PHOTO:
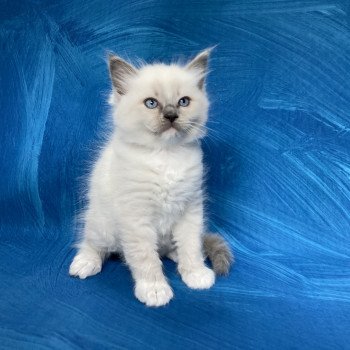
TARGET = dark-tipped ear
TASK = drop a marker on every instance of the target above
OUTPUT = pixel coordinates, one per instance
(200, 64)
(120, 71)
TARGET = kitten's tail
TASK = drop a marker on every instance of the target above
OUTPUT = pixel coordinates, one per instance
(219, 253)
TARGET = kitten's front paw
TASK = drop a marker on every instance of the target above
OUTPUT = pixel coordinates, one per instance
(84, 266)
(153, 293)
(200, 278)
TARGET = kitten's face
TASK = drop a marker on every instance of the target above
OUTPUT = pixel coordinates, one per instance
(165, 103)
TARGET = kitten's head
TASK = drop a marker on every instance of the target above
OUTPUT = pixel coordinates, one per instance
(160, 103)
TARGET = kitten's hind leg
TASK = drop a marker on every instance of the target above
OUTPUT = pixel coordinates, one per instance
(88, 261)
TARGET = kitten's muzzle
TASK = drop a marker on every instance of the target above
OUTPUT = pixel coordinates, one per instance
(170, 113)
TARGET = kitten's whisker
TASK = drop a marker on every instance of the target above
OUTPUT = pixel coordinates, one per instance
(194, 124)
(213, 136)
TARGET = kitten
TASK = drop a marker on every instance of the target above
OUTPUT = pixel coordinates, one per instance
(145, 192)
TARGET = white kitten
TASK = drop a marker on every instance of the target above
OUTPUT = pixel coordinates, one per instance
(145, 192)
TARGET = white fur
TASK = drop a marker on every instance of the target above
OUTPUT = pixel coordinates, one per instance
(145, 191)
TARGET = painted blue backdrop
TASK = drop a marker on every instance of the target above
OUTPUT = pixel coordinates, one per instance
(279, 184)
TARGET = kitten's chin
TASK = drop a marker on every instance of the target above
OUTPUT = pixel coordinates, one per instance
(172, 131)
(170, 134)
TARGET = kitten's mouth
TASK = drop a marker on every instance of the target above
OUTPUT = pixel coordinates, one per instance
(168, 130)
(174, 127)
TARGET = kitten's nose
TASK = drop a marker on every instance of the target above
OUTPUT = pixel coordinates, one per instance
(171, 117)
(169, 113)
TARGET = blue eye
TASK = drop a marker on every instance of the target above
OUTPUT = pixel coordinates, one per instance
(184, 101)
(151, 103)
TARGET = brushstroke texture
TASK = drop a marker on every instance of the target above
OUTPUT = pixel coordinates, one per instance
(278, 185)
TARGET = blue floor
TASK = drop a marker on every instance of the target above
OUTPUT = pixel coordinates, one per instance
(278, 151)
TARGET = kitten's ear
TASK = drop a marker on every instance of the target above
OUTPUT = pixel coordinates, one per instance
(200, 64)
(120, 71)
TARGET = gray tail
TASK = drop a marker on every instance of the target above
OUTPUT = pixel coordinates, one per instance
(218, 252)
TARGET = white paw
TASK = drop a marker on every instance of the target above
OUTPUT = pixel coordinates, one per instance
(200, 278)
(85, 265)
(153, 293)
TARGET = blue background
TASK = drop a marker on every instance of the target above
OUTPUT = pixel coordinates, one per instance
(278, 154)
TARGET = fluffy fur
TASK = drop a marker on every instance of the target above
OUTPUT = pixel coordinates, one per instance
(145, 196)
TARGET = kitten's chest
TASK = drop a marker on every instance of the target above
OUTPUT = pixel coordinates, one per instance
(176, 179)
(170, 179)
(170, 197)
